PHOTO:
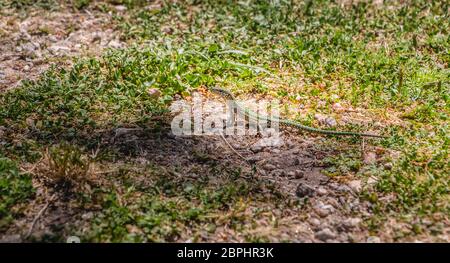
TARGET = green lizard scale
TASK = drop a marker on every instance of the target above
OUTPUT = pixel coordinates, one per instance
(228, 95)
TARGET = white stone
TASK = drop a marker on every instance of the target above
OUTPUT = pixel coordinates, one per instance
(355, 185)
(319, 117)
(370, 158)
(87, 216)
(350, 223)
(114, 44)
(314, 221)
(325, 234)
(330, 122)
(337, 107)
(373, 239)
(321, 191)
(120, 8)
(323, 210)
(273, 141)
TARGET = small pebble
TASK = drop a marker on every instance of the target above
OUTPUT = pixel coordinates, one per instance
(114, 44)
(154, 93)
(372, 181)
(278, 173)
(269, 167)
(304, 190)
(330, 122)
(314, 221)
(254, 158)
(87, 216)
(333, 202)
(291, 174)
(120, 8)
(256, 148)
(323, 210)
(321, 191)
(355, 185)
(299, 174)
(52, 39)
(337, 107)
(96, 38)
(325, 234)
(319, 117)
(388, 166)
(350, 223)
(373, 239)
(370, 158)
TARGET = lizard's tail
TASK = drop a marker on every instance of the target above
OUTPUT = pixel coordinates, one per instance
(339, 133)
(229, 95)
(327, 132)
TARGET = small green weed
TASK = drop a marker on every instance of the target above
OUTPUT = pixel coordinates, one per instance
(15, 188)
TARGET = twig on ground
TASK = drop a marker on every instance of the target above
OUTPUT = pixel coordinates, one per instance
(41, 212)
(231, 147)
(362, 148)
(31, 170)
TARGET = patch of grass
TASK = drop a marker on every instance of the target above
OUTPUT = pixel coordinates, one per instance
(100, 92)
(65, 164)
(19, 4)
(15, 189)
(419, 178)
(80, 4)
(342, 165)
(172, 207)
(128, 3)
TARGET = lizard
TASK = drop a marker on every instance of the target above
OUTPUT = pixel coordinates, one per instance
(250, 114)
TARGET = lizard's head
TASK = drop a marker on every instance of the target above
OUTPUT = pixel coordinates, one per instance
(222, 92)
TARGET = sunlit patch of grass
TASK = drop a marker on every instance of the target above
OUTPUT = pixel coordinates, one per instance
(66, 103)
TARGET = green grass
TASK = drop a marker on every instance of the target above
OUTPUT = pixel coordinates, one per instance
(15, 189)
(96, 93)
(19, 4)
(174, 208)
(391, 61)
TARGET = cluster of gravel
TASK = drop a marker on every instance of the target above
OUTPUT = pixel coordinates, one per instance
(29, 45)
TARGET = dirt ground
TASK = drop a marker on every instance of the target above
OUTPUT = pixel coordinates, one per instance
(32, 40)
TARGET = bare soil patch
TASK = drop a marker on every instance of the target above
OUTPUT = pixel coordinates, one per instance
(31, 41)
